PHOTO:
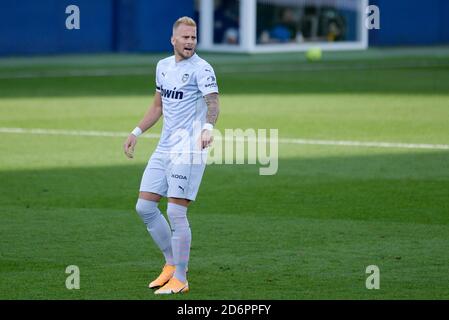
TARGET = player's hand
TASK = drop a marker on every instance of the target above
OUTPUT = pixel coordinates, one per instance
(129, 145)
(206, 138)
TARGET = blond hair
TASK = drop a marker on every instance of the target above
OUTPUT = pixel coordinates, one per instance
(184, 20)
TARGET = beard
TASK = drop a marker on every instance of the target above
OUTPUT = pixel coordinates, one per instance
(185, 54)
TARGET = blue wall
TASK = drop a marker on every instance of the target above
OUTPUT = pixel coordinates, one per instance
(411, 22)
(144, 25)
(30, 26)
(38, 26)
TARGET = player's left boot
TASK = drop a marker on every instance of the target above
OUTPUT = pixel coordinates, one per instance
(167, 273)
(173, 286)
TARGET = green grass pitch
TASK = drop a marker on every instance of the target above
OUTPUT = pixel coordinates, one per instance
(308, 232)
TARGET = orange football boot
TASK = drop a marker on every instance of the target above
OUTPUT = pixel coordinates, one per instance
(173, 286)
(167, 273)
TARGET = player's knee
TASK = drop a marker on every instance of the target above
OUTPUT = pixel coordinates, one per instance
(147, 210)
(178, 216)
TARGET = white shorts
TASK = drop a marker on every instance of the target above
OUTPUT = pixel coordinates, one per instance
(171, 179)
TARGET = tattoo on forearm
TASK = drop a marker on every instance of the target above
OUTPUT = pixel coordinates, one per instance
(213, 108)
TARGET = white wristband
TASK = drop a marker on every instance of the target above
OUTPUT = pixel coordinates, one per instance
(208, 126)
(137, 131)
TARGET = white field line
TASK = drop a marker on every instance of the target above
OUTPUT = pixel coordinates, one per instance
(61, 132)
(345, 143)
(257, 68)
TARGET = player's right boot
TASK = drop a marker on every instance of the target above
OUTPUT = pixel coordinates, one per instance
(173, 286)
(167, 273)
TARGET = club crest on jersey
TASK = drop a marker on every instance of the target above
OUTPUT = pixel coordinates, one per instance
(172, 94)
(185, 77)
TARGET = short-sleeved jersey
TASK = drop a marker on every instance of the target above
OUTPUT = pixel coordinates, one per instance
(182, 86)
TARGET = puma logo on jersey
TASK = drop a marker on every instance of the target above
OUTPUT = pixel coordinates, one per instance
(172, 94)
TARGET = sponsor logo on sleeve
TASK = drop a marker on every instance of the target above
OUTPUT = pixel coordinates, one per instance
(212, 82)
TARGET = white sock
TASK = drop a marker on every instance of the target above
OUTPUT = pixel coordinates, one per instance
(157, 226)
(181, 239)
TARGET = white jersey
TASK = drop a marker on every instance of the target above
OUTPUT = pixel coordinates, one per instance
(182, 86)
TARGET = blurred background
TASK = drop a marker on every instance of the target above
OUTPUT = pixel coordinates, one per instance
(30, 27)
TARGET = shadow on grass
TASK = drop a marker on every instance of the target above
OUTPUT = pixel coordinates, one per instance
(396, 187)
(423, 80)
(265, 231)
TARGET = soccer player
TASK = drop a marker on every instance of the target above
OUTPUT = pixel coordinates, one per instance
(187, 98)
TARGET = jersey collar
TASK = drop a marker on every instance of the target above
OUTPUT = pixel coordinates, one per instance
(184, 61)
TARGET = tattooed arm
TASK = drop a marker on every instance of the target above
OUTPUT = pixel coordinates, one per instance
(213, 109)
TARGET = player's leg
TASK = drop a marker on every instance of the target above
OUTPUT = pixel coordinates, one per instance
(181, 240)
(159, 229)
(157, 225)
(183, 185)
(181, 237)
(152, 188)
